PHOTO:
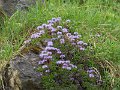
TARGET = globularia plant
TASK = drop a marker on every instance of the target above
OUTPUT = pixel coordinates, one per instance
(60, 61)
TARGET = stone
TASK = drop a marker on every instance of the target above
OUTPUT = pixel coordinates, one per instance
(10, 6)
(20, 73)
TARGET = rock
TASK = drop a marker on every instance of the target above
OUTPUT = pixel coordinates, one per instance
(20, 73)
(10, 6)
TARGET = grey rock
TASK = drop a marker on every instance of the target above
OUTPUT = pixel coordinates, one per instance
(10, 6)
(20, 73)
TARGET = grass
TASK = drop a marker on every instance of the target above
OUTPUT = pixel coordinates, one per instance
(97, 21)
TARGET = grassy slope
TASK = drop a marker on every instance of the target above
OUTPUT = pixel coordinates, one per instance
(91, 19)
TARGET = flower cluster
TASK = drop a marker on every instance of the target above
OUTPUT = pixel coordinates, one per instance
(46, 57)
(62, 34)
(91, 73)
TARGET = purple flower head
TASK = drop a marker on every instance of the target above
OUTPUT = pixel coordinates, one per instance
(49, 53)
(85, 44)
(59, 27)
(82, 49)
(65, 30)
(73, 66)
(48, 26)
(47, 71)
(44, 25)
(43, 52)
(75, 33)
(59, 33)
(54, 39)
(58, 51)
(65, 64)
(59, 19)
(27, 41)
(40, 62)
(62, 56)
(91, 75)
(68, 34)
(42, 55)
(35, 35)
(68, 61)
(49, 48)
(50, 43)
(80, 42)
(75, 37)
(48, 57)
(39, 27)
(62, 41)
(59, 36)
(68, 68)
(53, 30)
(60, 62)
(90, 71)
(64, 67)
(42, 32)
(73, 43)
(53, 19)
(72, 40)
(50, 22)
(68, 21)
(44, 66)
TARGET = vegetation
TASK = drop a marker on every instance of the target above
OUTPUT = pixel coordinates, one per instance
(97, 21)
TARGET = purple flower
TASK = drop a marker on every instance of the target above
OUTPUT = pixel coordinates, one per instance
(85, 44)
(49, 53)
(59, 36)
(50, 43)
(48, 57)
(39, 27)
(82, 49)
(62, 56)
(75, 37)
(53, 30)
(44, 66)
(58, 51)
(68, 21)
(68, 68)
(43, 55)
(68, 34)
(47, 71)
(68, 61)
(73, 66)
(27, 41)
(76, 33)
(72, 40)
(91, 75)
(59, 33)
(44, 25)
(53, 19)
(80, 42)
(90, 71)
(50, 21)
(59, 19)
(42, 62)
(42, 32)
(62, 41)
(50, 48)
(60, 62)
(73, 43)
(59, 27)
(65, 30)
(36, 35)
